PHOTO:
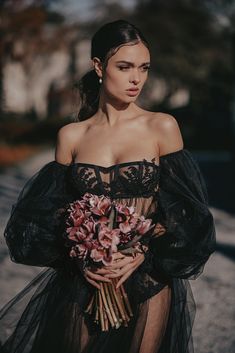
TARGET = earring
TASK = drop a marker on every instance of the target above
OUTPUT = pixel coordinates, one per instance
(100, 80)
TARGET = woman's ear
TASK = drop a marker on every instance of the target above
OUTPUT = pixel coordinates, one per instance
(97, 64)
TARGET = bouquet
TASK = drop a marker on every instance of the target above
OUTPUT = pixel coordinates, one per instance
(97, 227)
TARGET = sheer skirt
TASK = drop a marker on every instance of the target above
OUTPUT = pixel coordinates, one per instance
(48, 316)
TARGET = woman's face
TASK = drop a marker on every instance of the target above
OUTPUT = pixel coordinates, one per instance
(126, 72)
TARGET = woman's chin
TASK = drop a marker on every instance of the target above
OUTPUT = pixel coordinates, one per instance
(123, 99)
(130, 98)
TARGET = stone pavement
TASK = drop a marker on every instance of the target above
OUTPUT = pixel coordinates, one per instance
(214, 290)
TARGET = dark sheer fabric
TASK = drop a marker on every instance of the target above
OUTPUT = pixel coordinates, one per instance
(189, 236)
(48, 315)
(32, 230)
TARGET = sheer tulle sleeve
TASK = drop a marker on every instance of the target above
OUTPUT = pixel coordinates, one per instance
(33, 232)
(188, 236)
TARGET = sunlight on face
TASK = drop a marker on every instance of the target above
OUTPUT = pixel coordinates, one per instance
(126, 69)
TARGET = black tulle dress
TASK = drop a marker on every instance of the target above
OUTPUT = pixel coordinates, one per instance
(48, 316)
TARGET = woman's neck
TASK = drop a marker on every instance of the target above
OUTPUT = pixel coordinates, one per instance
(113, 113)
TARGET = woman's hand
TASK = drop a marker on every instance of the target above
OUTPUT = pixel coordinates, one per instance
(96, 274)
(123, 266)
(93, 274)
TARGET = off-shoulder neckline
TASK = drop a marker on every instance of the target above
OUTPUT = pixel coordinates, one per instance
(173, 153)
(123, 163)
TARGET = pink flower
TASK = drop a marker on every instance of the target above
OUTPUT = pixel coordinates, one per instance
(125, 227)
(127, 215)
(125, 238)
(100, 206)
(85, 232)
(144, 226)
(123, 209)
(78, 206)
(76, 217)
(97, 254)
(101, 255)
(90, 222)
(109, 238)
(73, 252)
(79, 250)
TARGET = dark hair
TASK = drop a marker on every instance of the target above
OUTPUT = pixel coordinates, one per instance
(105, 42)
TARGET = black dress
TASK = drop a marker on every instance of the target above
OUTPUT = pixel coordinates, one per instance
(47, 316)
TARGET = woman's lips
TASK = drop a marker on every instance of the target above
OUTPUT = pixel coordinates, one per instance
(132, 91)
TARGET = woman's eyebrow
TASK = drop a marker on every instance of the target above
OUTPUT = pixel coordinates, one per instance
(130, 63)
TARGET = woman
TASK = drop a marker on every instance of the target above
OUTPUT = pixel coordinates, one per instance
(131, 155)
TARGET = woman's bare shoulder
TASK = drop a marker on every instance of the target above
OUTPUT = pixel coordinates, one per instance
(162, 119)
(72, 130)
(68, 137)
(168, 132)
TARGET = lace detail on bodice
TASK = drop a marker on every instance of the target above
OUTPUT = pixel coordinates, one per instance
(123, 180)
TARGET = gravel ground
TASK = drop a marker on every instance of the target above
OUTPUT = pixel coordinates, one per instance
(214, 290)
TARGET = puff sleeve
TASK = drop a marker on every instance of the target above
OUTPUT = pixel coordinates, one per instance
(189, 235)
(33, 232)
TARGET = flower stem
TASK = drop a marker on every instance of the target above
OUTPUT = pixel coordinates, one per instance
(106, 322)
(106, 304)
(101, 311)
(110, 304)
(118, 301)
(127, 318)
(119, 319)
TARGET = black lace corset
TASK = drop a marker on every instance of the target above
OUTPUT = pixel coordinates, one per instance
(122, 180)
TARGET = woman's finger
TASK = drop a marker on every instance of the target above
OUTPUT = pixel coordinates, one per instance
(117, 255)
(139, 258)
(124, 278)
(92, 282)
(122, 271)
(96, 277)
(132, 265)
(102, 271)
(116, 258)
(128, 260)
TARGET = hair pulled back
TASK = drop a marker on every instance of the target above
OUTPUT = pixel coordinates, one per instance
(105, 42)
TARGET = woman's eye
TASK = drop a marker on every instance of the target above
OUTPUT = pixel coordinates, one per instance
(145, 68)
(123, 67)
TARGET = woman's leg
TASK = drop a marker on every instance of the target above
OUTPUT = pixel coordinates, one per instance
(156, 321)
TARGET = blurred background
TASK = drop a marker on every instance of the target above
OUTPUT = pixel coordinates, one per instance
(45, 49)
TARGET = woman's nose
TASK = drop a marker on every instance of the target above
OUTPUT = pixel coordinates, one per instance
(135, 77)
